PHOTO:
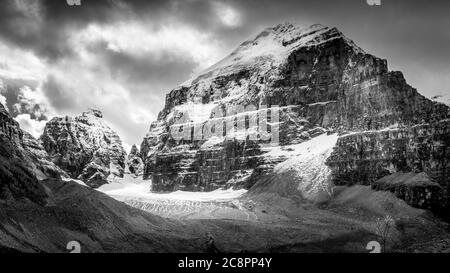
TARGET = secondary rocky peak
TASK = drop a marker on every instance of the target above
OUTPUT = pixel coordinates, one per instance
(134, 151)
(86, 147)
(3, 109)
(135, 162)
(93, 112)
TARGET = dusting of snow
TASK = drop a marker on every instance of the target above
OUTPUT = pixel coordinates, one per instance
(263, 56)
(67, 179)
(271, 48)
(212, 141)
(369, 83)
(322, 103)
(392, 127)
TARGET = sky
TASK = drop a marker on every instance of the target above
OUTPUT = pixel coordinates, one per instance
(123, 57)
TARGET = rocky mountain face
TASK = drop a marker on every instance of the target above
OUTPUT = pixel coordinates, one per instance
(134, 162)
(85, 147)
(417, 189)
(17, 180)
(18, 145)
(42, 213)
(365, 157)
(23, 164)
(286, 86)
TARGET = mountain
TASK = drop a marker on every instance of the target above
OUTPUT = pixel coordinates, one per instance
(235, 123)
(328, 143)
(41, 210)
(134, 162)
(85, 147)
(18, 145)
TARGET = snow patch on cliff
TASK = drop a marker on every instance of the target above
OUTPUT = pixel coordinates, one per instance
(306, 165)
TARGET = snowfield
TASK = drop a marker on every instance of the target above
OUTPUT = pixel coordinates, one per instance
(304, 164)
(180, 204)
(138, 188)
(304, 168)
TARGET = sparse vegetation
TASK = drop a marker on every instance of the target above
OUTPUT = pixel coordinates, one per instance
(383, 228)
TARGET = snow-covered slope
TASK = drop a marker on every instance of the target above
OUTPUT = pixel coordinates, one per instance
(270, 49)
(302, 172)
(262, 57)
(131, 187)
(136, 192)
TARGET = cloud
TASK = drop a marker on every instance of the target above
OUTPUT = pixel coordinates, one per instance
(30, 125)
(144, 40)
(32, 102)
(16, 63)
(229, 16)
(124, 56)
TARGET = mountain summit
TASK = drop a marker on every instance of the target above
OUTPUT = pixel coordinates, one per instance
(317, 81)
(272, 46)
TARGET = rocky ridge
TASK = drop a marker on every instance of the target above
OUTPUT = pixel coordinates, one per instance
(85, 147)
(27, 148)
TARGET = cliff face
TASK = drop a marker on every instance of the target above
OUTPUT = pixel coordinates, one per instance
(365, 157)
(85, 147)
(417, 189)
(134, 162)
(312, 80)
(9, 127)
(23, 163)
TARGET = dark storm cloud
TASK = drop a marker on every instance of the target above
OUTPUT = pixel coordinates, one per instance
(417, 26)
(44, 26)
(411, 34)
(164, 69)
(59, 95)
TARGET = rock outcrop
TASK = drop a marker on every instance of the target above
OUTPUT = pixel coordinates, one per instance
(417, 189)
(134, 162)
(23, 163)
(27, 148)
(85, 147)
(286, 86)
(365, 157)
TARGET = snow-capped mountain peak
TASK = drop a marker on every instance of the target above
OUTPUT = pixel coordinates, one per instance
(271, 47)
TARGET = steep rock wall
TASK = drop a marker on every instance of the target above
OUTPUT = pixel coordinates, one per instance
(85, 147)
